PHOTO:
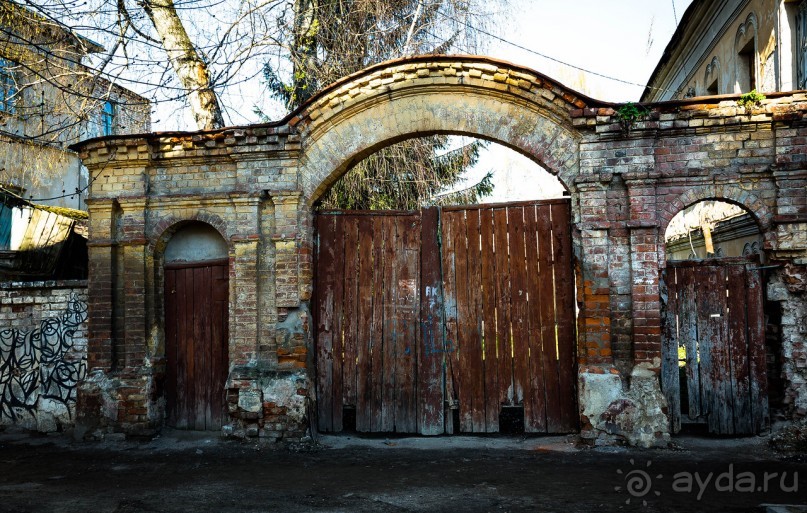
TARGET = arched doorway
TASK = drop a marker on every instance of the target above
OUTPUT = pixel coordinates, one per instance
(713, 343)
(196, 327)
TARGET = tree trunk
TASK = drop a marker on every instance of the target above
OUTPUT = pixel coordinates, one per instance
(188, 65)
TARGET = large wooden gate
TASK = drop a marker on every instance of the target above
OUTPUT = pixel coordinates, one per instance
(435, 321)
(196, 306)
(713, 354)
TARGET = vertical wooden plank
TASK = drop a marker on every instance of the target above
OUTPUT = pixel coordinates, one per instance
(518, 303)
(326, 276)
(503, 334)
(535, 398)
(670, 382)
(450, 307)
(711, 291)
(185, 391)
(430, 351)
(221, 299)
(758, 381)
(549, 340)
(737, 343)
(170, 313)
(337, 351)
(366, 291)
(351, 312)
(201, 300)
(488, 291)
(407, 319)
(473, 353)
(389, 313)
(689, 338)
(209, 349)
(377, 329)
(463, 386)
(564, 315)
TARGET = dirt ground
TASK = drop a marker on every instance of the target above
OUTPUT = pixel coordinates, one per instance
(179, 472)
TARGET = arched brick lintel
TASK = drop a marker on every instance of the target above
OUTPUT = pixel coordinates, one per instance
(729, 193)
(522, 111)
(162, 231)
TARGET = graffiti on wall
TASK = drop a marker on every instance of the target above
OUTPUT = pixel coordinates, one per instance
(42, 362)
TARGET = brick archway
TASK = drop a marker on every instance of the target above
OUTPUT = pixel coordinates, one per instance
(461, 95)
(626, 179)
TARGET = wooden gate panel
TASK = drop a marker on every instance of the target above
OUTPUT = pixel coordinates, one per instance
(450, 343)
(385, 312)
(508, 257)
(430, 351)
(535, 406)
(364, 300)
(564, 316)
(404, 323)
(407, 324)
(325, 304)
(504, 347)
(462, 357)
(367, 305)
(711, 293)
(758, 379)
(547, 352)
(489, 301)
(476, 350)
(713, 311)
(739, 385)
(350, 337)
(519, 322)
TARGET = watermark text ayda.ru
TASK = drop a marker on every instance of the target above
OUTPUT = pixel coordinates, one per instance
(639, 483)
(735, 482)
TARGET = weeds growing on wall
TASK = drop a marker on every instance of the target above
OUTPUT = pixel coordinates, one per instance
(750, 100)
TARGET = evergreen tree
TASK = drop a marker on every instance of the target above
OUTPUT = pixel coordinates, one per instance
(330, 39)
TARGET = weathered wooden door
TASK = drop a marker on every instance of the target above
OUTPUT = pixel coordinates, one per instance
(713, 354)
(509, 315)
(196, 321)
(424, 314)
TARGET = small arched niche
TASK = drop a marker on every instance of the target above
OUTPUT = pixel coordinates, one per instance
(713, 229)
(195, 242)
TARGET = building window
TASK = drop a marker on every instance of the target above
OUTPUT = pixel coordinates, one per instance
(747, 68)
(8, 86)
(710, 77)
(801, 46)
(745, 44)
(108, 118)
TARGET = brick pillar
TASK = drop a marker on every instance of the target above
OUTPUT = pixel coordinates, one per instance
(286, 239)
(244, 306)
(619, 274)
(267, 309)
(101, 249)
(595, 316)
(644, 240)
(132, 280)
(244, 314)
